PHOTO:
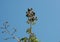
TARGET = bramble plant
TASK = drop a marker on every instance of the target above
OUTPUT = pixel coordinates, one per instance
(31, 20)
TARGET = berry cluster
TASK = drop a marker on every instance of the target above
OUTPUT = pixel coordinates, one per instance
(31, 16)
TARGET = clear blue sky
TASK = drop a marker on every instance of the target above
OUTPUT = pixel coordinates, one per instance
(47, 28)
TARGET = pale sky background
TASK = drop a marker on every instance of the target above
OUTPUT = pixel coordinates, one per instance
(47, 28)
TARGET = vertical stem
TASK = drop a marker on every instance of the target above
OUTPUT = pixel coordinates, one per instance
(31, 26)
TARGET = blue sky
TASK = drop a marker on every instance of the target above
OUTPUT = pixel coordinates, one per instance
(47, 28)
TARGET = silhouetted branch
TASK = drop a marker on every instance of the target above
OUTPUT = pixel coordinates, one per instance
(5, 30)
